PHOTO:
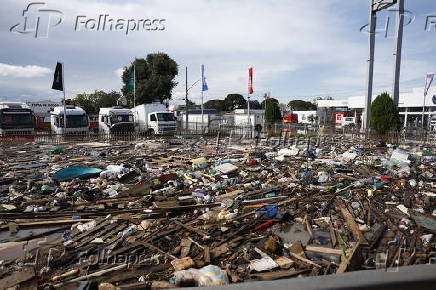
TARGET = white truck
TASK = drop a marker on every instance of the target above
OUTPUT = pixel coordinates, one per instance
(16, 120)
(116, 120)
(154, 119)
(77, 121)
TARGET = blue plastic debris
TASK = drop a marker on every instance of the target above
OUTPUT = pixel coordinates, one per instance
(73, 172)
(31, 165)
(270, 210)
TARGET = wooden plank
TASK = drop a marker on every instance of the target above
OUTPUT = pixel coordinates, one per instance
(16, 278)
(46, 223)
(352, 225)
(192, 229)
(206, 255)
(229, 194)
(323, 250)
(350, 260)
(150, 246)
(277, 274)
(304, 260)
(127, 275)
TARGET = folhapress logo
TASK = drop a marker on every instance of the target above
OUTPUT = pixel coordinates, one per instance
(37, 20)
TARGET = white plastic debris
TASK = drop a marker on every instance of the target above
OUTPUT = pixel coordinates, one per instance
(226, 168)
(263, 264)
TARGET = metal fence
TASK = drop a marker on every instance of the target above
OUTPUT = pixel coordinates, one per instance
(221, 129)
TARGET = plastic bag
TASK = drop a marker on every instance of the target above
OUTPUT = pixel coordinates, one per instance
(207, 276)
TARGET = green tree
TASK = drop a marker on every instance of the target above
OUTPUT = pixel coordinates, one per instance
(254, 105)
(272, 112)
(92, 103)
(384, 115)
(300, 105)
(154, 79)
(234, 101)
(218, 105)
(267, 101)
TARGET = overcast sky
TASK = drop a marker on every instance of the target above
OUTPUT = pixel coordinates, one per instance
(298, 49)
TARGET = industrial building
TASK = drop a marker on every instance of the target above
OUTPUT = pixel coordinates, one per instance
(411, 107)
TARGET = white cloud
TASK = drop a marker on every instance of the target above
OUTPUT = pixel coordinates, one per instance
(28, 71)
(119, 72)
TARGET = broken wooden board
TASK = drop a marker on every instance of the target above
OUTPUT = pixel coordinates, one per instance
(351, 224)
(323, 250)
(45, 223)
(182, 264)
(16, 278)
(277, 275)
(351, 261)
(229, 194)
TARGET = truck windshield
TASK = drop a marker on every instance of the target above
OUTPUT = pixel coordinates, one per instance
(16, 118)
(121, 118)
(167, 117)
(76, 121)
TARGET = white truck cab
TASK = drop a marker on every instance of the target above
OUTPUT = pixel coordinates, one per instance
(77, 121)
(154, 119)
(115, 120)
(16, 120)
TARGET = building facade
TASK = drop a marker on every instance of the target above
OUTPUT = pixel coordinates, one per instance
(413, 106)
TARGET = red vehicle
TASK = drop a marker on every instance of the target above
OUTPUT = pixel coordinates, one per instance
(93, 123)
(290, 118)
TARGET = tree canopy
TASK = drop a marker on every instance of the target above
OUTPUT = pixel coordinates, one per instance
(154, 79)
(92, 102)
(254, 105)
(262, 104)
(218, 105)
(300, 105)
(384, 115)
(234, 101)
(272, 112)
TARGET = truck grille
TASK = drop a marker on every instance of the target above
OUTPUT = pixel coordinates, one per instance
(18, 133)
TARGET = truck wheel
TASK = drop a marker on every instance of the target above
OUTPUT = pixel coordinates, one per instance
(151, 133)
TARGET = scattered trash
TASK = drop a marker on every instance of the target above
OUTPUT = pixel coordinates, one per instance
(163, 215)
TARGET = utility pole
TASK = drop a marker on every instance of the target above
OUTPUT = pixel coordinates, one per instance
(134, 84)
(186, 99)
(397, 52)
(374, 7)
(370, 65)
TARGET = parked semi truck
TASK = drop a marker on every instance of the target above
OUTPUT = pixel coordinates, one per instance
(115, 120)
(154, 119)
(16, 120)
(77, 121)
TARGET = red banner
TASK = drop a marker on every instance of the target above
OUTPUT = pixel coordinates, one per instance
(250, 80)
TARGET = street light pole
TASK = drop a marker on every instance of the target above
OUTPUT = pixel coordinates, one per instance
(370, 64)
(397, 52)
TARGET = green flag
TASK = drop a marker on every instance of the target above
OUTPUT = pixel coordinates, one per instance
(131, 81)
